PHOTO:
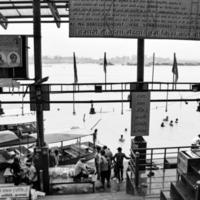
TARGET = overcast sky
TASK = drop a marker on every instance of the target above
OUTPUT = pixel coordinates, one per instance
(56, 41)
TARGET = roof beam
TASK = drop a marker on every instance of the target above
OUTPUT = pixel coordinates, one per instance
(3, 21)
(54, 12)
(10, 7)
(28, 2)
(31, 16)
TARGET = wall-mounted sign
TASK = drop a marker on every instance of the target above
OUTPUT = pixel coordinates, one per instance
(40, 95)
(140, 112)
(168, 19)
(10, 51)
(13, 56)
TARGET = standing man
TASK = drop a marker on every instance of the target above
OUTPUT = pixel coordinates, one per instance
(15, 170)
(97, 160)
(119, 165)
(95, 137)
(104, 169)
(109, 156)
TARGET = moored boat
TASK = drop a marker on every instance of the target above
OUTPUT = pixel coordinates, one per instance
(72, 145)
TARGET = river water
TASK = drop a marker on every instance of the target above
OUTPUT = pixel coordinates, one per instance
(109, 120)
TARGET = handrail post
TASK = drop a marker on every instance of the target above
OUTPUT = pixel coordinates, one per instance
(41, 180)
(197, 192)
(164, 159)
(137, 168)
(151, 161)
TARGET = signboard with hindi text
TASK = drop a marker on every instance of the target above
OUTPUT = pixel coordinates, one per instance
(15, 192)
(40, 95)
(167, 19)
(140, 113)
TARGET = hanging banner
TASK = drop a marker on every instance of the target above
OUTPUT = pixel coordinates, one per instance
(140, 113)
(166, 19)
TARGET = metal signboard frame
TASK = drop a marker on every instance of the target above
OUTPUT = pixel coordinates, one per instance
(156, 19)
(14, 56)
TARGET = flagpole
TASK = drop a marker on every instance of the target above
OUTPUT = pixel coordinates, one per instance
(175, 72)
(166, 106)
(74, 112)
(122, 108)
(153, 69)
(75, 82)
(105, 79)
(174, 82)
(105, 68)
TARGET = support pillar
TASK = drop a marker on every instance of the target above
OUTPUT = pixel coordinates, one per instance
(138, 141)
(41, 150)
(140, 71)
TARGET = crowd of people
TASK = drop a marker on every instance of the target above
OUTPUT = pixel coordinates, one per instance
(26, 174)
(26, 170)
(105, 162)
(107, 166)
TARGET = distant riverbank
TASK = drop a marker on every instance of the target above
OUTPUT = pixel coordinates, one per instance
(124, 60)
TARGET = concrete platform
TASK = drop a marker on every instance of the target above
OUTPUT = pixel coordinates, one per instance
(121, 195)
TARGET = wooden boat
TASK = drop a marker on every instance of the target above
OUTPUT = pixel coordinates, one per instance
(72, 153)
(75, 148)
(68, 143)
(19, 124)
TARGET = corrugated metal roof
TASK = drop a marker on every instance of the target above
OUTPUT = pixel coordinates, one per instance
(21, 11)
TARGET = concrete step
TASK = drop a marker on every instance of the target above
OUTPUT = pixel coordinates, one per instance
(190, 180)
(195, 168)
(165, 195)
(181, 192)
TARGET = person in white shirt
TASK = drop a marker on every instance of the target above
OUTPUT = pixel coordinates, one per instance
(81, 169)
(31, 174)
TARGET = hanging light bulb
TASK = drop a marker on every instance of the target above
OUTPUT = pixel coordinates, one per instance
(92, 110)
(1, 109)
(198, 108)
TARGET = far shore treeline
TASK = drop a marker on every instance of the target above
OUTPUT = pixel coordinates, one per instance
(123, 60)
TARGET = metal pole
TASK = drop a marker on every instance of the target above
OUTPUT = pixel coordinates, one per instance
(166, 106)
(140, 60)
(137, 165)
(40, 149)
(140, 70)
(197, 193)
(122, 105)
(38, 68)
(74, 88)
